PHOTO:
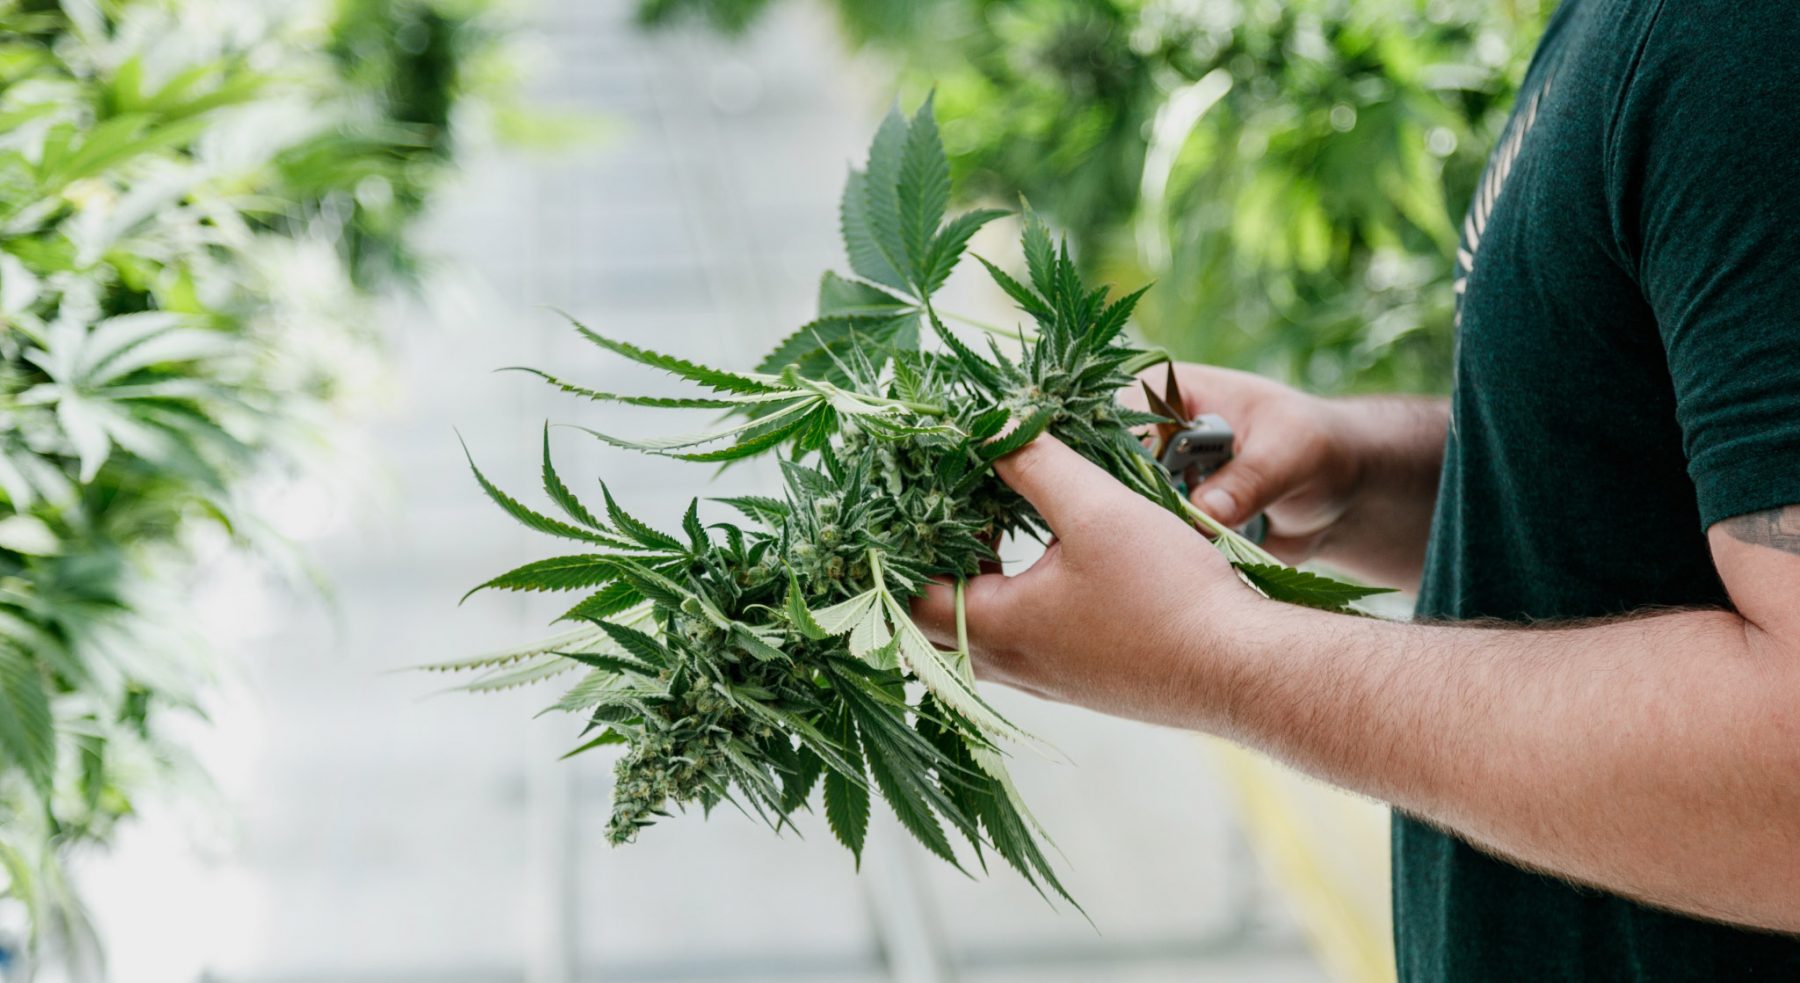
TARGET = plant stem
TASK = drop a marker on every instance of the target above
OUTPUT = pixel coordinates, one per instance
(962, 620)
(824, 388)
(875, 568)
(923, 409)
(1228, 536)
(1228, 540)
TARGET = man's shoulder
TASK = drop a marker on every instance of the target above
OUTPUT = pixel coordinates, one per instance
(1697, 35)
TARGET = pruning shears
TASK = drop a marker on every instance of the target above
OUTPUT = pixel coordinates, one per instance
(1192, 450)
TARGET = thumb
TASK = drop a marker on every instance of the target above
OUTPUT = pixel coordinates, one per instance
(1061, 484)
(1236, 492)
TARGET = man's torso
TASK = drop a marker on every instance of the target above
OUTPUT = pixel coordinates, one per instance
(1566, 491)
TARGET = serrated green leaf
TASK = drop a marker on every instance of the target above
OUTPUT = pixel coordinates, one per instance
(605, 662)
(989, 423)
(560, 493)
(797, 783)
(1021, 295)
(592, 689)
(1305, 588)
(1138, 418)
(770, 437)
(936, 670)
(1040, 256)
(628, 524)
(558, 573)
(801, 403)
(27, 736)
(799, 615)
(690, 524)
(515, 654)
(947, 247)
(841, 296)
(606, 737)
(530, 671)
(769, 511)
(639, 644)
(866, 257)
(1113, 319)
(846, 796)
(655, 587)
(758, 647)
(1010, 830)
(881, 192)
(965, 785)
(871, 640)
(532, 519)
(1027, 431)
(818, 347)
(907, 796)
(614, 598)
(722, 402)
(843, 616)
(979, 369)
(711, 378)
(921, 192)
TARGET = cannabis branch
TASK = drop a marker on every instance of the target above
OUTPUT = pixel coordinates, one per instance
(754, 659)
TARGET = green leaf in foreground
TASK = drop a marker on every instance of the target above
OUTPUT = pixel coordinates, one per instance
(26, 735)
(847, 797)
(1304, 587)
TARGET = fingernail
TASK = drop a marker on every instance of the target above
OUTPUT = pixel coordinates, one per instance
(1219, 504)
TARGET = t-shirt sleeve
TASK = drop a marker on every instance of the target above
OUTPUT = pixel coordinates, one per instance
(1705, 172)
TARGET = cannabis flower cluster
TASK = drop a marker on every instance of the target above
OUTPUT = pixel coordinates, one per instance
(756, 658)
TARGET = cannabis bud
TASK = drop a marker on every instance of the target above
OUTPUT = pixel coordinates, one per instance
(756, 659)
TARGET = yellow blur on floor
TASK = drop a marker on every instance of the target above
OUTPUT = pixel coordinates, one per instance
(1328, 852)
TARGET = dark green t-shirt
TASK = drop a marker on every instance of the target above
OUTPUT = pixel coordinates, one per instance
(1627, 374)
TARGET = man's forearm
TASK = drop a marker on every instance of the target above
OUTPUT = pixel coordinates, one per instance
(1656, 757)
(1398, 445)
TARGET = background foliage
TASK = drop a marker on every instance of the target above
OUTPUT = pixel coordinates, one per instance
(197, 202)
(1292, 173)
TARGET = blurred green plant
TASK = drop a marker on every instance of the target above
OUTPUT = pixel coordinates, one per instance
(198, 200)
(1291, 173)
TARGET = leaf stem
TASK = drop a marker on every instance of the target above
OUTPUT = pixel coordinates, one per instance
(1145, 359)
(923, 409)
(880, 582)
(799, 382)
(1230, 541)
(1226, 539)
(962, 619)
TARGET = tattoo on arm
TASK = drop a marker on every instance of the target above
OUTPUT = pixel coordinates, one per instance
(1777, 528)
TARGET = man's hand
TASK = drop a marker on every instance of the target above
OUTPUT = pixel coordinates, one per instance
(1654, 756)
(1110, 615)
(1351, 481)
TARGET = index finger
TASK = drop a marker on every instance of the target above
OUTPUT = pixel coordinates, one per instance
(1058, 482)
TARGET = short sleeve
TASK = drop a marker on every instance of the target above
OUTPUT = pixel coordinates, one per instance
(1705, 167)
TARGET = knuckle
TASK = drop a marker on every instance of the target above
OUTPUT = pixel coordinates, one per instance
(1310, 443)
(1247, 478)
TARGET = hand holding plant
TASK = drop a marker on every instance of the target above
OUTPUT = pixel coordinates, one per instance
(1078, 625)
(754, 659)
